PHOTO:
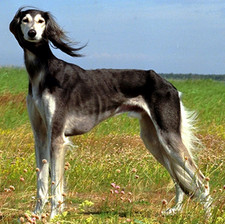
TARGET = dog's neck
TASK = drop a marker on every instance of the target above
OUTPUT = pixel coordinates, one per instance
(36, 57)
(40, 50)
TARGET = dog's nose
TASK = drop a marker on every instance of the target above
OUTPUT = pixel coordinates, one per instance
(32, 33)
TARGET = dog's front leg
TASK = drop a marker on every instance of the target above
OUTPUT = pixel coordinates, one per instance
(43, 161)
(57, 173)
(42, 154)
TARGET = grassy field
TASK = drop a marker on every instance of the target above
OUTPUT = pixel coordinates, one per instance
(111, 153)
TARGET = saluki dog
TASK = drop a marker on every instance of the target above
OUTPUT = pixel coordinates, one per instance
(65, 100)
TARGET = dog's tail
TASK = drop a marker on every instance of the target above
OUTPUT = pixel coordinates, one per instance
(187, 129)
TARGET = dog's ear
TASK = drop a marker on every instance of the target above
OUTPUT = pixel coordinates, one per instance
(58, 37)
(14, 25)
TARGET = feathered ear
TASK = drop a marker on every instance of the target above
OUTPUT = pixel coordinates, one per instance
(58, 38)
(14, 26)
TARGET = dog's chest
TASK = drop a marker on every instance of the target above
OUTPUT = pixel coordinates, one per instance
(37, 82)
(45, 102)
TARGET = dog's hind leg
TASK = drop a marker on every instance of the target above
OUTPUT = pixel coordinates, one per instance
(184, 169)
(167, 145)
(150, 138)
(41, 153)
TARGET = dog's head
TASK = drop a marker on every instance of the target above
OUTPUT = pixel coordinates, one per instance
(29, 26)
(35, 27)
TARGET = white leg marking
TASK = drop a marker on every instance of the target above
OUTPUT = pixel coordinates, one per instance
(41, 153)
(178, 204)
(41, 112)
(57, 175)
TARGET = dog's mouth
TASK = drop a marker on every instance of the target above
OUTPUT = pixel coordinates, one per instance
(31, 39)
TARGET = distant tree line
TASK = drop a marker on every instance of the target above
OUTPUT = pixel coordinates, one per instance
(165, 75)
(193, 76)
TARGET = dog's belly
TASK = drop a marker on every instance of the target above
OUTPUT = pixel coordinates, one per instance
(77, 125)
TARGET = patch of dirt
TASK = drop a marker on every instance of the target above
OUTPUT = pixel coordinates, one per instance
(13, 99)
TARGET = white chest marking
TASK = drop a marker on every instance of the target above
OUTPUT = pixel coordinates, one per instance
(49, 104)
(30, 56)
(36, 81)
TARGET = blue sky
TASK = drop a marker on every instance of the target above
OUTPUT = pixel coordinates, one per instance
(182, 36)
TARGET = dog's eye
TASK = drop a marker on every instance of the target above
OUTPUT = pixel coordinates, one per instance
(25, 20)
(40, 21)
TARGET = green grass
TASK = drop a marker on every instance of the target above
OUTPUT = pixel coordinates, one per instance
(207, 97)
(13, 80)
(111, 153)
